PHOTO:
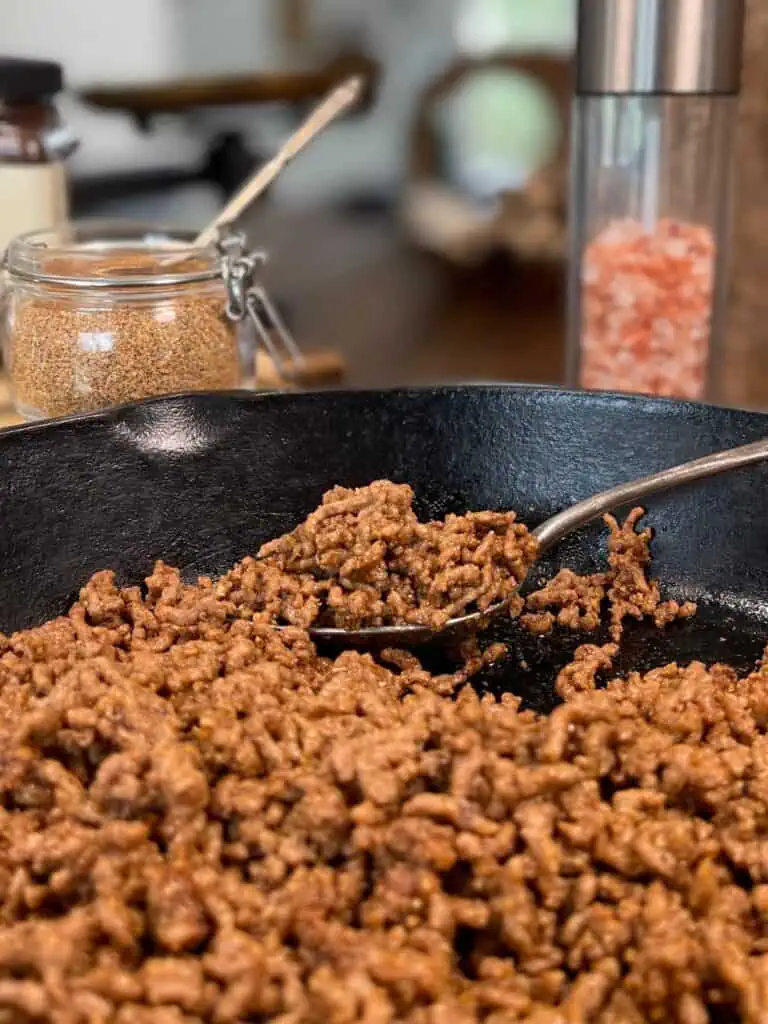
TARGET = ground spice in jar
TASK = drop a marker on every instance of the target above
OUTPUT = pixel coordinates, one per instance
(76, 349)
(646, 309)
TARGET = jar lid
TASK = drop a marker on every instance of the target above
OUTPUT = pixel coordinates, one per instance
(111, 254)
(26, 81)
(652, 48)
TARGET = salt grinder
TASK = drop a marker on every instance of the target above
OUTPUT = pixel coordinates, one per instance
(657, 86)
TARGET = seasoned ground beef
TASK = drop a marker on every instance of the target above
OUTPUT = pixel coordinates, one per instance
(625, 587)
(203, 821)
(363, 559)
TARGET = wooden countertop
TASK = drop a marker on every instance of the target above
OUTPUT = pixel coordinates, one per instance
(8, 415)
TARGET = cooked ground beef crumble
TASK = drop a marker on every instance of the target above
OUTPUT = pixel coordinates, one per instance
(625, 586)
(203, 820)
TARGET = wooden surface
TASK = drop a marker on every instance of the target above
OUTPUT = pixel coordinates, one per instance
(173, 97)
(399, 316)
(8, 417)
(746, 371)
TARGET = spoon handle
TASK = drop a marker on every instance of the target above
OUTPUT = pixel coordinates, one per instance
(559, 526)
(335, 104)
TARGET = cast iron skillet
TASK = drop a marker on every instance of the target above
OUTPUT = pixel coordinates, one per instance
(202, 480)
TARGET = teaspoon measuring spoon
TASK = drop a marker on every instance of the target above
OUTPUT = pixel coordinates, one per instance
(549, 534)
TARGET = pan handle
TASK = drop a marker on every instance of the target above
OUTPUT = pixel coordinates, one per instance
(554, 529)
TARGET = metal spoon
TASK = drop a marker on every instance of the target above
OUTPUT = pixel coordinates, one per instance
(549, 534)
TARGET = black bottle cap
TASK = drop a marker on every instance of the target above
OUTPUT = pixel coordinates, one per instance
(28, 81)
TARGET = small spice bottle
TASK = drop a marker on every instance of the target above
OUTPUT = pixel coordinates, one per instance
(652, 153)
(101, 314)
(34, 143)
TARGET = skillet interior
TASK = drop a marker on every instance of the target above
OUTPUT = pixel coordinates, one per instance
(202, 480)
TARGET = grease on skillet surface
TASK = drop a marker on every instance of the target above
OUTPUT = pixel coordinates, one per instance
(202, 820)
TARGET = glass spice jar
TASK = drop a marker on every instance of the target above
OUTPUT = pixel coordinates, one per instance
(99, 314)
(652, 154)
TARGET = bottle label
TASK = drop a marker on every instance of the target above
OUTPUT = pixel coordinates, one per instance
(33, 197)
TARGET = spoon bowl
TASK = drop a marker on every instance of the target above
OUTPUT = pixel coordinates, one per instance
(407, 636)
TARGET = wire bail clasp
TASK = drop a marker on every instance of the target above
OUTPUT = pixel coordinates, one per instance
(248, 299)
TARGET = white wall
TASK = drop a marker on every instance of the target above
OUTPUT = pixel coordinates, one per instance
(215, 37)
(143, 40)
(413, 39)
(101, 40)
(95, 39)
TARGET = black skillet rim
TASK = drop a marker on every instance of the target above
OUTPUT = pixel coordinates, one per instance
(118, 413)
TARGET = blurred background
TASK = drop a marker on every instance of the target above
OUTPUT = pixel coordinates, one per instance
(422, 239)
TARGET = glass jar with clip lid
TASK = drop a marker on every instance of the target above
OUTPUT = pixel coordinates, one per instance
(99, 314)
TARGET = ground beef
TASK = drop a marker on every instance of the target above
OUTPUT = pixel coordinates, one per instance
(203, 821)
(364, 559)
(626, 589)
